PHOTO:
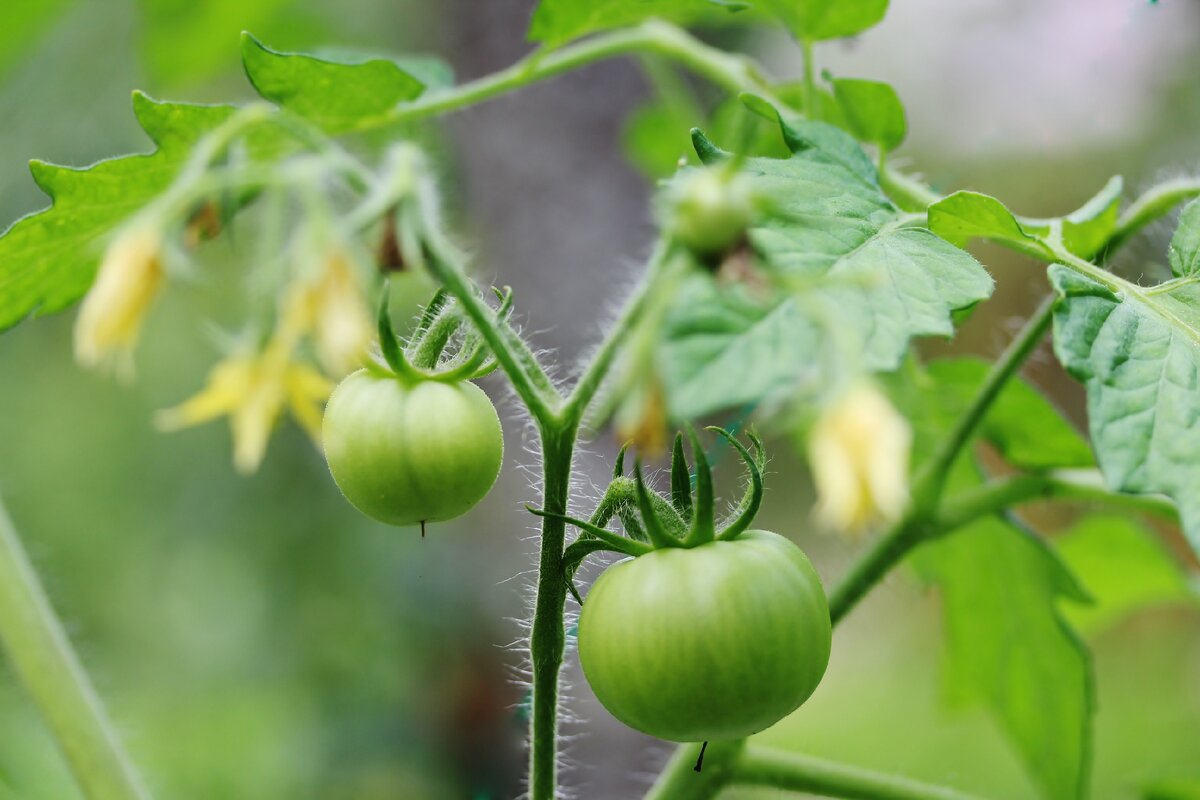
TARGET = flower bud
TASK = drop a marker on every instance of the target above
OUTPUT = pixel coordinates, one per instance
(859, 454)
(127, 281)
(709, 211)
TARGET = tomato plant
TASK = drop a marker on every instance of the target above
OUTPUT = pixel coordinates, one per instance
(796, 263)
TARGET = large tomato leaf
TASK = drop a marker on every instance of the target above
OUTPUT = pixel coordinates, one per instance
(1022, 424)
(1125, 568)
(1009, 649)
(847, 273)
(48, 259)
(1137, 351)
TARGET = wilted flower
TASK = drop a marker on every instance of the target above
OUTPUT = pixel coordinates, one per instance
(331, 306)
(641, 418)
(859, 454)
(129, 277)
(253, 390)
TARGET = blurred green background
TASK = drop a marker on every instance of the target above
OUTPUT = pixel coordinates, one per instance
(256, 638)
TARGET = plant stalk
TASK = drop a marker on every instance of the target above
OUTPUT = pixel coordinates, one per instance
(50, 671)
(759, 766)
(547, 642)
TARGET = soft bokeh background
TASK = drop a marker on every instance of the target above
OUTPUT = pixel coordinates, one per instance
(256, 638)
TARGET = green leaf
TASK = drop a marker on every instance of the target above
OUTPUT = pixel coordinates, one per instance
(831, 227)
(556, 22)
(656, 137)
(1087, 230)
(1182, 789)
(843, 276)
(1184, 253)
(817, 20)
(24, 23)
(1125, 569)
(1009, 649)
(337, 95)
(970, 215)
(872, 110)
(1137, 351)
(1026, 429)
(48, 259)
(720, 350)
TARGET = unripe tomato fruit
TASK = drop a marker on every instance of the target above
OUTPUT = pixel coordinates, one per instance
(711, 211)
(713, 642)
(411, 452)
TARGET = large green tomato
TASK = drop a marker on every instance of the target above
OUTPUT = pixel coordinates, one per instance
(410, 453)
(714, 642)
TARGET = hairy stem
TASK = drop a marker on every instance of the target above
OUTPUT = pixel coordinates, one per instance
(635, 307)
(548, 637)
(47, 666)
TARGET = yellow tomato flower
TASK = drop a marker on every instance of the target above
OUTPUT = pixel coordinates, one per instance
(253, 390)
(128, 279)
(333, 308)
(859, 453)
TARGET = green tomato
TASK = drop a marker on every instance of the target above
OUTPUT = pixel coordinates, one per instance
(411, 452)
(713, 642)
(710, 211)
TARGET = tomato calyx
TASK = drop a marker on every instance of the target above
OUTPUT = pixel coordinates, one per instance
(444, 346)
(651, 520)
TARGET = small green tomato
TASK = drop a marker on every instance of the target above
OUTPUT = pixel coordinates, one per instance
(411, 452)
(710, 210)
(713, 642)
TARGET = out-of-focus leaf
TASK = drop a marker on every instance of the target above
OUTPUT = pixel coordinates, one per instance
(1184, 253)
(817, 20)
(1027, 430)
(48, 259)
(872, 110)
(1124, 568)
(1182, 789)
(656, 137)
(1009, 649)
(841, 264)
(720, 350)
(336, 95)
(556, 22)
(24, 22)
(1137, 351)
(184, 41)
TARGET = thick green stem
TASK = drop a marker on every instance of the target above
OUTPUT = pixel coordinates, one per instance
(680, 780)
(547, 641)
(932, 479)
(46, 665)
(758, 766)
(811, 102)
